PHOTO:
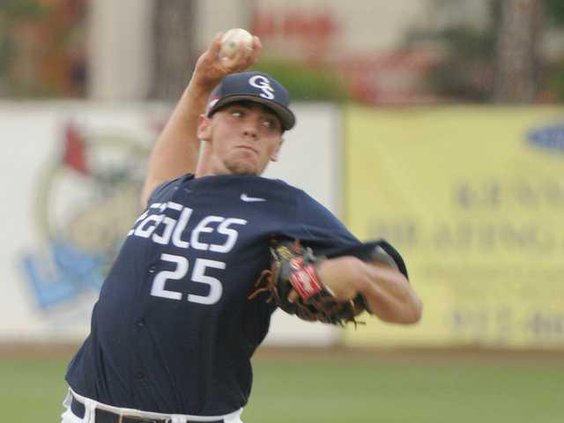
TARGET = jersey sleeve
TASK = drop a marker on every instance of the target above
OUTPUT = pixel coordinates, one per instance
(162, 191)
(379, 250)
(320, 229)
(327, 235)
(157, 194)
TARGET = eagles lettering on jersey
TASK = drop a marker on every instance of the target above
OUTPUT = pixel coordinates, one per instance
(165, 224)
(178, 292)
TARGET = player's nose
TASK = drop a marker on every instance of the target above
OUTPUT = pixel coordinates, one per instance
(251, 127)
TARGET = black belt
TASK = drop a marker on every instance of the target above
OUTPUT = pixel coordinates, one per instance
(104, 416)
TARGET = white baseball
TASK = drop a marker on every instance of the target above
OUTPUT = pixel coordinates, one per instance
(231, 40)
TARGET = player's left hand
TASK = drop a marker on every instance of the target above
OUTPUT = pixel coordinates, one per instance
(297, 288)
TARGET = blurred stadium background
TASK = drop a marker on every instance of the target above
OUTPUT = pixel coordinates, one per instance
(437, 124)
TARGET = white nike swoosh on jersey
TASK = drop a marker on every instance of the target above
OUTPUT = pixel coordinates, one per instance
(245, 197)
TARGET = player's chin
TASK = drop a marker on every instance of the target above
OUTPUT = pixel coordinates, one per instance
(244, 167)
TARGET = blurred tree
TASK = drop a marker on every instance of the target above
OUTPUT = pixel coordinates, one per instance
(465, 72)
(517, 63)
(555, 70)
(13, 10)
(555, 12)
(12, 14)
(43, 48)
(174, 49)
(501, 61)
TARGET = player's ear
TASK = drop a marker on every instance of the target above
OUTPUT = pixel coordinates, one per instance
(204, 128)
(274, 155)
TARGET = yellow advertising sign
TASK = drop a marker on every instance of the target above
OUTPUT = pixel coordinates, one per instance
(473, 197)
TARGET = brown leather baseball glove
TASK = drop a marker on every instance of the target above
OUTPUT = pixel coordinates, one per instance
(293, 267)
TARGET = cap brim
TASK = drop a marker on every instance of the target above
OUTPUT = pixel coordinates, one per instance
(285, 115)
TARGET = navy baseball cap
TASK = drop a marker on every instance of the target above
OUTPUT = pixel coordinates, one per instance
(253, 86)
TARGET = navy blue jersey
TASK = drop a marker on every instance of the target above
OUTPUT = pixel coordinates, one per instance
(173, 330)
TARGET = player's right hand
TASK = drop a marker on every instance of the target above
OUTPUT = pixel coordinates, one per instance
(211, 68)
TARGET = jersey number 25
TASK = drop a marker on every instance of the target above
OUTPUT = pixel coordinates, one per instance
(180, 271)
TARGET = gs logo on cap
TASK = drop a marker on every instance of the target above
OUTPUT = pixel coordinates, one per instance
(262, 83)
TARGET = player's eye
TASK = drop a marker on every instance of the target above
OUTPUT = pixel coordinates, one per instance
(270, 123)
(237, 113)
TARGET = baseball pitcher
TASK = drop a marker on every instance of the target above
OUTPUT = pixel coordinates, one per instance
(215, 251)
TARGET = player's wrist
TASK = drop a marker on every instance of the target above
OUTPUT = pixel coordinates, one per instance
(202, 86)
(362, 281)
(344, 276)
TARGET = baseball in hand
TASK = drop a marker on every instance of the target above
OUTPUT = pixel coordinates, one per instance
(231, 40)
